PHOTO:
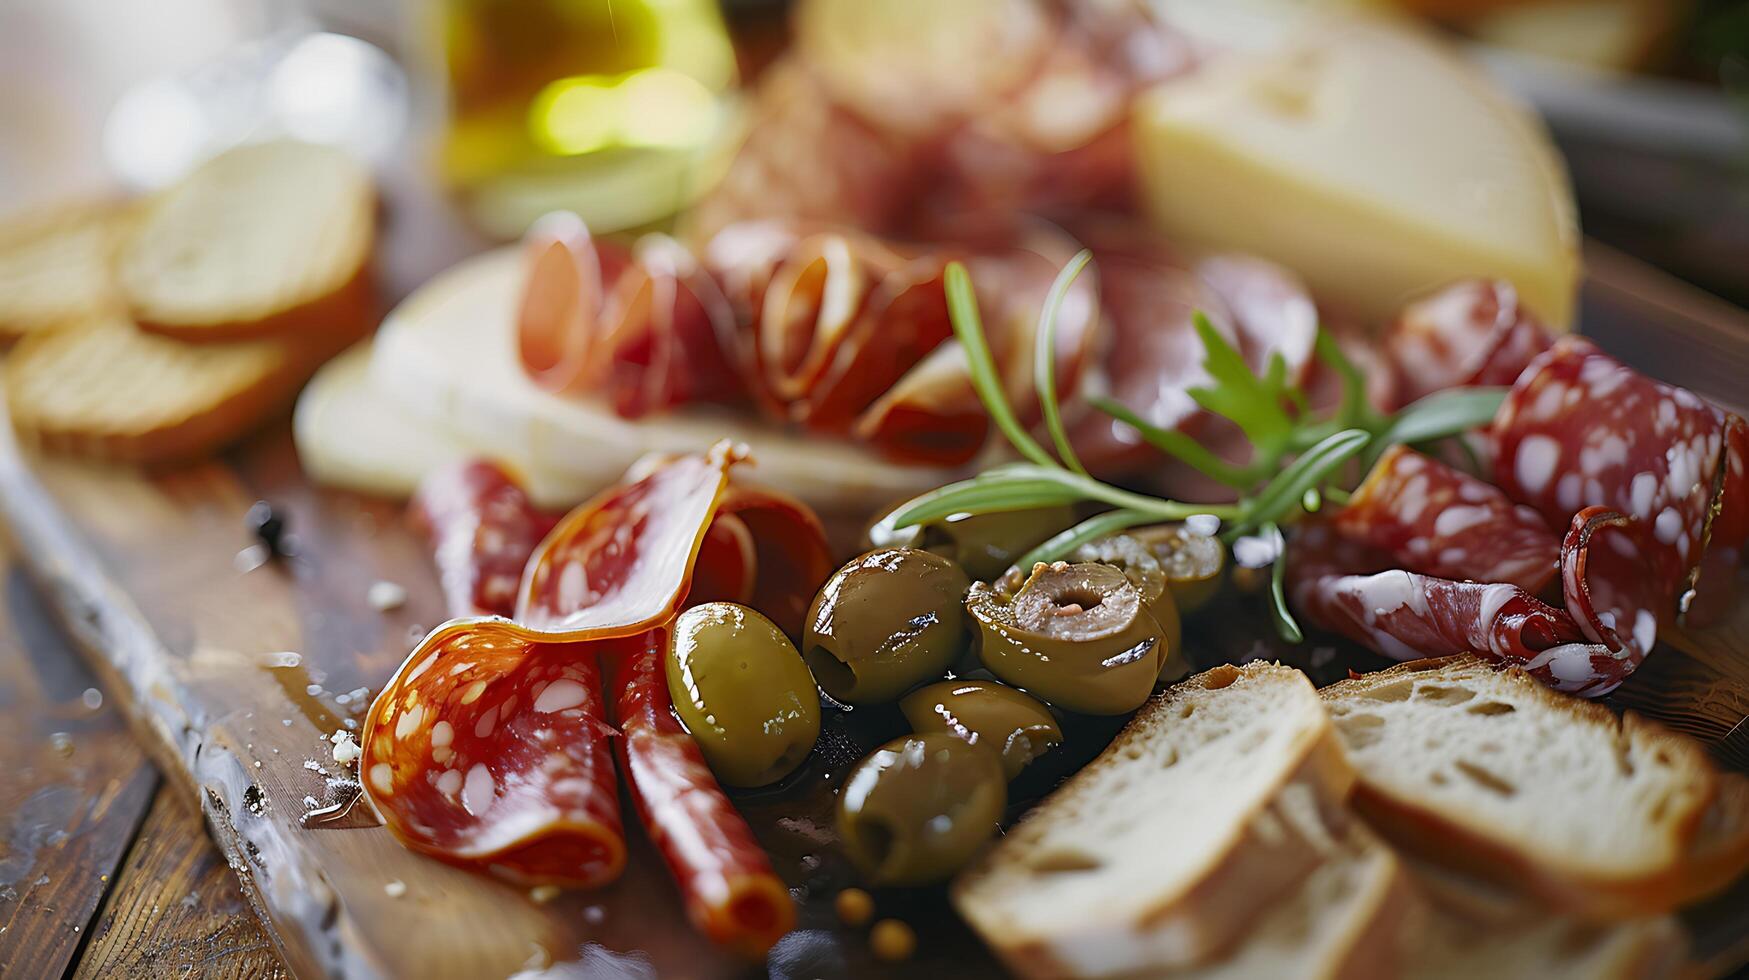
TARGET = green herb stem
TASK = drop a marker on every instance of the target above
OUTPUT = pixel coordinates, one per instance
(1044, 362)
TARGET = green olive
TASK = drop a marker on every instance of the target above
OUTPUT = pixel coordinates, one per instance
(743, 692)
(884, 623)
(1193, 562)
(1140, 562)
(987, 713)
(919, 807)
(1079, 636)
(986, 544)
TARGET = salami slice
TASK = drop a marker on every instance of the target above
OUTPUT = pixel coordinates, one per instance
(1473, 332)
(490, 748)
(1407, 616)
(1439, 521)
(482, 528)
(1580, 429)
(725, 879)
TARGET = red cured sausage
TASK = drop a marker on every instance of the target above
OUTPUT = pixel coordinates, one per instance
(1407, 616)
(482, 529)
(1470, 333)
(1579, 429)
(490, 748)
(726, 881)
(1436, 520)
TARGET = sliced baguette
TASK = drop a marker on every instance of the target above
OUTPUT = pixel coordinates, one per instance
(271, 240)
(1349, 919)
(1488, 771)
(105, 389)
(1474, 929)
(55, 267)
(1220, 793)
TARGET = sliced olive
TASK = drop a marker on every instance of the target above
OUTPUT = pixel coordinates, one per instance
(919, 807)
(1141, 564)
(884, 623)
(1079, 636)
(986, 713)
(743, 692)
(1193, 562)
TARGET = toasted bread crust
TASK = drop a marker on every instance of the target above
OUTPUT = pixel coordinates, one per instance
(334, 318)
(1268, 853)
(1448, 841)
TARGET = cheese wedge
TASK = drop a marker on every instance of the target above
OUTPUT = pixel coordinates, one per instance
(1368, 158)
(445, 360)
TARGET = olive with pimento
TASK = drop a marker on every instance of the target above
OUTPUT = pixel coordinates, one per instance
(885, 623)
(919, 807)
(743, 692)
(985, 713)
(1077, 635)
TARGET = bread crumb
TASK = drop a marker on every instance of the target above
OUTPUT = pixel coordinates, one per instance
(385, 596)
(892, 940)
(855, 906)
(395, 889)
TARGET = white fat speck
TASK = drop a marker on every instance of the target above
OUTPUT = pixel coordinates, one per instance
(1393, 590)
(395, 889)
(1567, 491)
(1645, 630)
(1412, 499)
(423, 666)
(409, 721)
(384, 595)
(1454, 519)
(487, 722)
(382, 777)
(442, 734)
(449, 783)
(1666, 418)
(1535, 462)
(1612, 450)
(1643, 493)
(1668, 526)
(1569, 664)
(1494, 598)
(346, 751)
(478, 791)
(1547, 403)
(1475, 492)
(573, 586)
(559, 695)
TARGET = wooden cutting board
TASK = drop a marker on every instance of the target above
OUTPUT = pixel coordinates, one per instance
(234, 675)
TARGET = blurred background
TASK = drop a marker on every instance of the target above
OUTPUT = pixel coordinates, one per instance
(481, 114)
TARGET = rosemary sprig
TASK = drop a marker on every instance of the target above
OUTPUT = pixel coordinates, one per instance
(1295, 457)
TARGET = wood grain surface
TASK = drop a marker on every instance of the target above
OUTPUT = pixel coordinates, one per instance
(194, 644)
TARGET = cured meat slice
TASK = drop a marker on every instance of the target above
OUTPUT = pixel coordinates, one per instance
(1474, 332)
(1581, 429)
(482, 528)
(649, 330)
(1604, 583)
(1407, 616)
(623, 561)
(490, 748)
(725, 879)
(1439, 521)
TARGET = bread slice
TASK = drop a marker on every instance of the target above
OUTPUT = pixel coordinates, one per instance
(1353, 917)
(55, 267)
(266, 240)
(1474, 929)
(1222, 792)
(1484, 769)
(103, 388)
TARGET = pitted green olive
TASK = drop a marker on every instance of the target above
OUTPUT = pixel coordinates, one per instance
(919, 807)
(986, 544)
(1079, 636)
(884, 623)
(1141, 563)
(986, 713)
(1193, 562)
(743, 692)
